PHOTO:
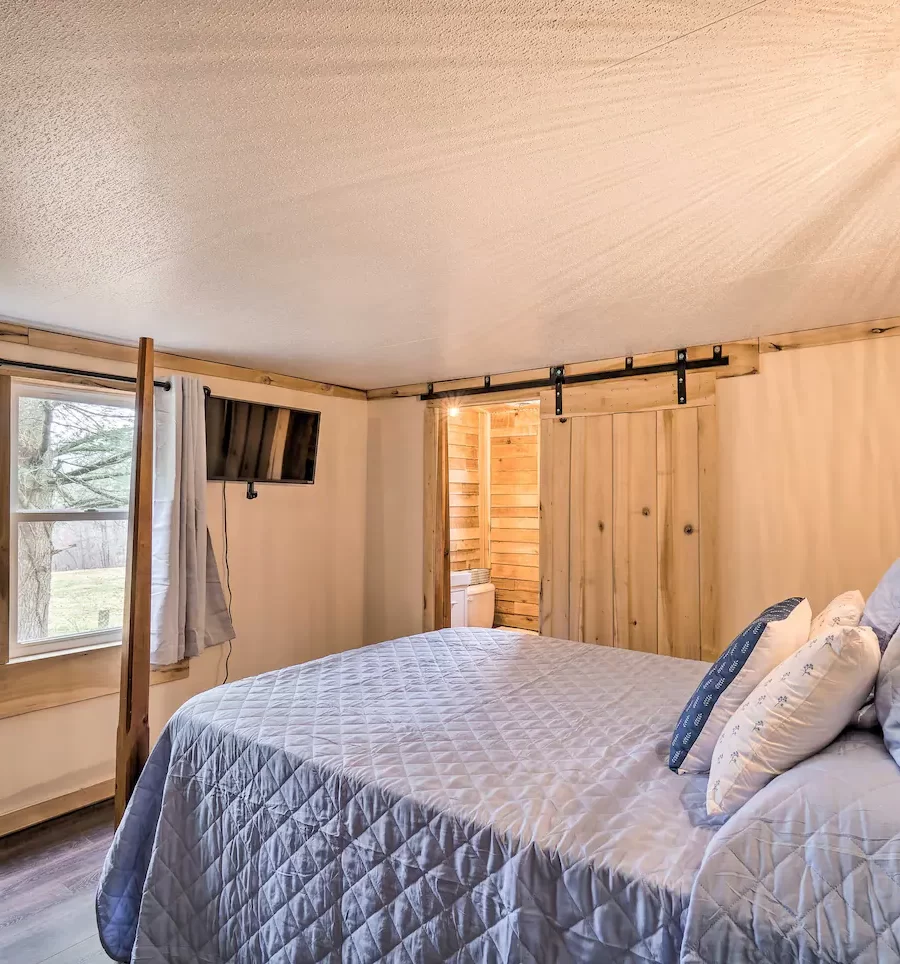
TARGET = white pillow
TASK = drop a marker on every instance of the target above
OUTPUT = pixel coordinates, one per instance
(756, 651)
(800, 707)
(843, 610)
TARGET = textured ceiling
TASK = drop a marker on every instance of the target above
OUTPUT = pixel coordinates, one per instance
(379, 192)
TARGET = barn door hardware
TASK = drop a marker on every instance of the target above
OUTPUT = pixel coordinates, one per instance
(681, 376)
(558, 377)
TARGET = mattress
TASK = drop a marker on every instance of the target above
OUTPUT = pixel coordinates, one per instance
(466, 795)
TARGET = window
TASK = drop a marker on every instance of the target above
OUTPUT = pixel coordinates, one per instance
(70, 473)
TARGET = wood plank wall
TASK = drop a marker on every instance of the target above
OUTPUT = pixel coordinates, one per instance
(465, 526)
(515, 515)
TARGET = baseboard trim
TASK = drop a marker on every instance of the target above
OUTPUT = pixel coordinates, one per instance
(58, 806)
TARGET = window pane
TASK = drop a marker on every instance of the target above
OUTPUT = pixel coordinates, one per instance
(73, 454)
(71, 577)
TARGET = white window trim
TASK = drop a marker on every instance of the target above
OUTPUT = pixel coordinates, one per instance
(75, 641)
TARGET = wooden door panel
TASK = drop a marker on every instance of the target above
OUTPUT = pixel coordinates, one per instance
(591, 527)
(678, 532)
(635, 566)
(628, 550)
(708, 508)
(555, 458)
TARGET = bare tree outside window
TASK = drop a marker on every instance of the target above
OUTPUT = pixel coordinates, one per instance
(73, 462)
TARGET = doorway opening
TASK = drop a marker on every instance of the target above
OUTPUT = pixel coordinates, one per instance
(494, 515)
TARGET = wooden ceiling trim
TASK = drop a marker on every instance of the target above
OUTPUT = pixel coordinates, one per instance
(837, 335)
(13, 333)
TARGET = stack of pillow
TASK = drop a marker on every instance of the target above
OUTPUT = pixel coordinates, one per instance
(787, 686)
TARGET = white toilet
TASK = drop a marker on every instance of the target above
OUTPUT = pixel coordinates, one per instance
(470, 605)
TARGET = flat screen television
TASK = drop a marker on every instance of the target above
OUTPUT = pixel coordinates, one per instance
(250, 442)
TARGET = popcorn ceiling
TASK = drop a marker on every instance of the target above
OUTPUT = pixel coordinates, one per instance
(375, 193)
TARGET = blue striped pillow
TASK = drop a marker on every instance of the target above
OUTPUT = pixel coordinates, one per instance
(773, 636)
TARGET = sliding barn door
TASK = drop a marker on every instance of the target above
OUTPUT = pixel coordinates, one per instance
(628, 525)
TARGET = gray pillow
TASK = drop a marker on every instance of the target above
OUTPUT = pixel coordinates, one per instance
(887, 697)
(882, 612)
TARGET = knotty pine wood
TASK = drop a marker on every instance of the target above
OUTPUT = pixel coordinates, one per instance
(708, 508)
(463, 447)
(628, 530)
(555, 479)
(591, 530)
(515, 516)
(678, 518)
(635, 561)
(436, 522)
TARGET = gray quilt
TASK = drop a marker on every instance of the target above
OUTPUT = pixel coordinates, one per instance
(809, 870)
(468, 795)
(483, 796)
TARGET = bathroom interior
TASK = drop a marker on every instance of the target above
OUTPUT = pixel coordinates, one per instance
(495, 515)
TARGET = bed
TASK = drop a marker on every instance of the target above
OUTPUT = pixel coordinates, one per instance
(466, 795)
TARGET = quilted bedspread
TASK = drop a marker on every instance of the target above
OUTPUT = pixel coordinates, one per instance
(809, 870)
(467, 796)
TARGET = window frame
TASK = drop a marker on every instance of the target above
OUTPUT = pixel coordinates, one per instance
(75, 642)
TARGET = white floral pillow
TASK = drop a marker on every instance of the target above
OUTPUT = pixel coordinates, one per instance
(798, 709)
(844, 610)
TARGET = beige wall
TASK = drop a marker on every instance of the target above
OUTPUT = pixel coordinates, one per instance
(297, 556)
(809, 463)
(394, 518)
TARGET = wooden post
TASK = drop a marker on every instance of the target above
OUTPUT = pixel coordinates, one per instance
(133, 740)
(436, 566)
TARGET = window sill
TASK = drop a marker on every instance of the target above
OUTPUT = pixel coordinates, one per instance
(53, 654)
(38, 682)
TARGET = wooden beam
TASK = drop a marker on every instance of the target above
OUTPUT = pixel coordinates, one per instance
(835, 335)
(11, 332)
(56, 807)
(166, 361)
(436, 548)
(133, 740)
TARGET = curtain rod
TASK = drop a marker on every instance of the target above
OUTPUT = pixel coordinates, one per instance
(35, 366)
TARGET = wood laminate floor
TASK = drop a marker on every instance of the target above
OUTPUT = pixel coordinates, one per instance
(48, 876)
